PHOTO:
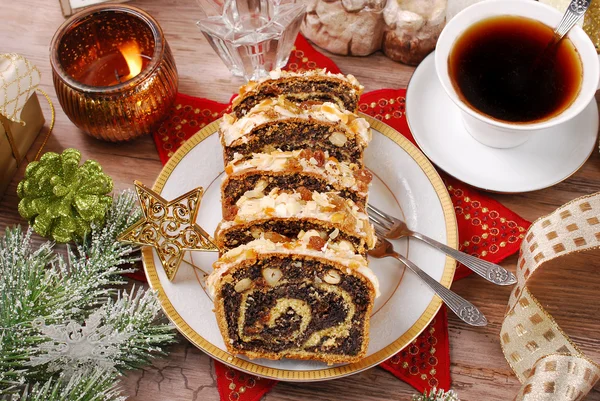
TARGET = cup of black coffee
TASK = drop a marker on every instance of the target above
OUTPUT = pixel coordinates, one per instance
(498, 62)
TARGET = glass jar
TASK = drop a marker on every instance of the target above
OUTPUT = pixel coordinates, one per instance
(91, 49)
(251, 37)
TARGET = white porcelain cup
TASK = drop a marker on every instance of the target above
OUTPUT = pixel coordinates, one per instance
(499, 134)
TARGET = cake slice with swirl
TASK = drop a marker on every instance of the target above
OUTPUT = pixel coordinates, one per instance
(316, 86)
(303, 299)
(278, 124)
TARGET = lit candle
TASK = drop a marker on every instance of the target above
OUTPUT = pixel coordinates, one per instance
(114, 68)
(113, 71)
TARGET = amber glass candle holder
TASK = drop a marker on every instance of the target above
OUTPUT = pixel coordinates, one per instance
(113, 71)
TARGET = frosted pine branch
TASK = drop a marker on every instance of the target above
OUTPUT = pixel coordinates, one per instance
(87, 385)
(135, 313)
(120, 335)
(44, 296)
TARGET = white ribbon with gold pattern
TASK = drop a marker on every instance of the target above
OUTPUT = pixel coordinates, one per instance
(18, 81)
(545, 360)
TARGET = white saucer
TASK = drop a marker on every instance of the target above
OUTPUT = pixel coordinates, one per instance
(546, 159)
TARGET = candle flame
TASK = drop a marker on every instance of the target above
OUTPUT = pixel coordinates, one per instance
(133, 58)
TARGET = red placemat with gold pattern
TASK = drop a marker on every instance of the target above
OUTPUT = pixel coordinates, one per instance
(486, 229)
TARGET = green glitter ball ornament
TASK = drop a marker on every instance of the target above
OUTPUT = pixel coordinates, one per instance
(61, 199)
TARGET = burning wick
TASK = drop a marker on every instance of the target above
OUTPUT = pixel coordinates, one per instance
(114, 67)
(133, 58)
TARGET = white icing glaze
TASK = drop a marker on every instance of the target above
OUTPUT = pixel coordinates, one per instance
(335, 172)
(279, 108)
(341, 252)
(255, 205)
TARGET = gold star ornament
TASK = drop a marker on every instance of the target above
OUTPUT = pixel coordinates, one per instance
(169, 226)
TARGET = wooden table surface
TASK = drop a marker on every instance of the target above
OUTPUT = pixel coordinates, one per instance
(479, 370)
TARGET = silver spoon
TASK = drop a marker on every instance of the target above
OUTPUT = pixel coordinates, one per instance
(573, 14)
(465, 310)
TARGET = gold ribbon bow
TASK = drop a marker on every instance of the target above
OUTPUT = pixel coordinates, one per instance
(547, 363)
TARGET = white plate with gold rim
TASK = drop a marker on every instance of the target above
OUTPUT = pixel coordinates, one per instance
(405, 184)
(547, 158)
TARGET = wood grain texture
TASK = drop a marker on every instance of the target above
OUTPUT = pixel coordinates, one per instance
(479, 371)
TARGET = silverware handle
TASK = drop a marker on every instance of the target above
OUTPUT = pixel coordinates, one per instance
(572, 14)
(489, 271)
(465, 310)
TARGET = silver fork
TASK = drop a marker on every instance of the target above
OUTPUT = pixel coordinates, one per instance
(392, 228)
(465, 310)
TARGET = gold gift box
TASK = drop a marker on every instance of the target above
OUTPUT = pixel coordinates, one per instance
(16, 139)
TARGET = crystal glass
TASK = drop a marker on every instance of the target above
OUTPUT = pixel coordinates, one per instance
(252, 37)
(113, 71)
